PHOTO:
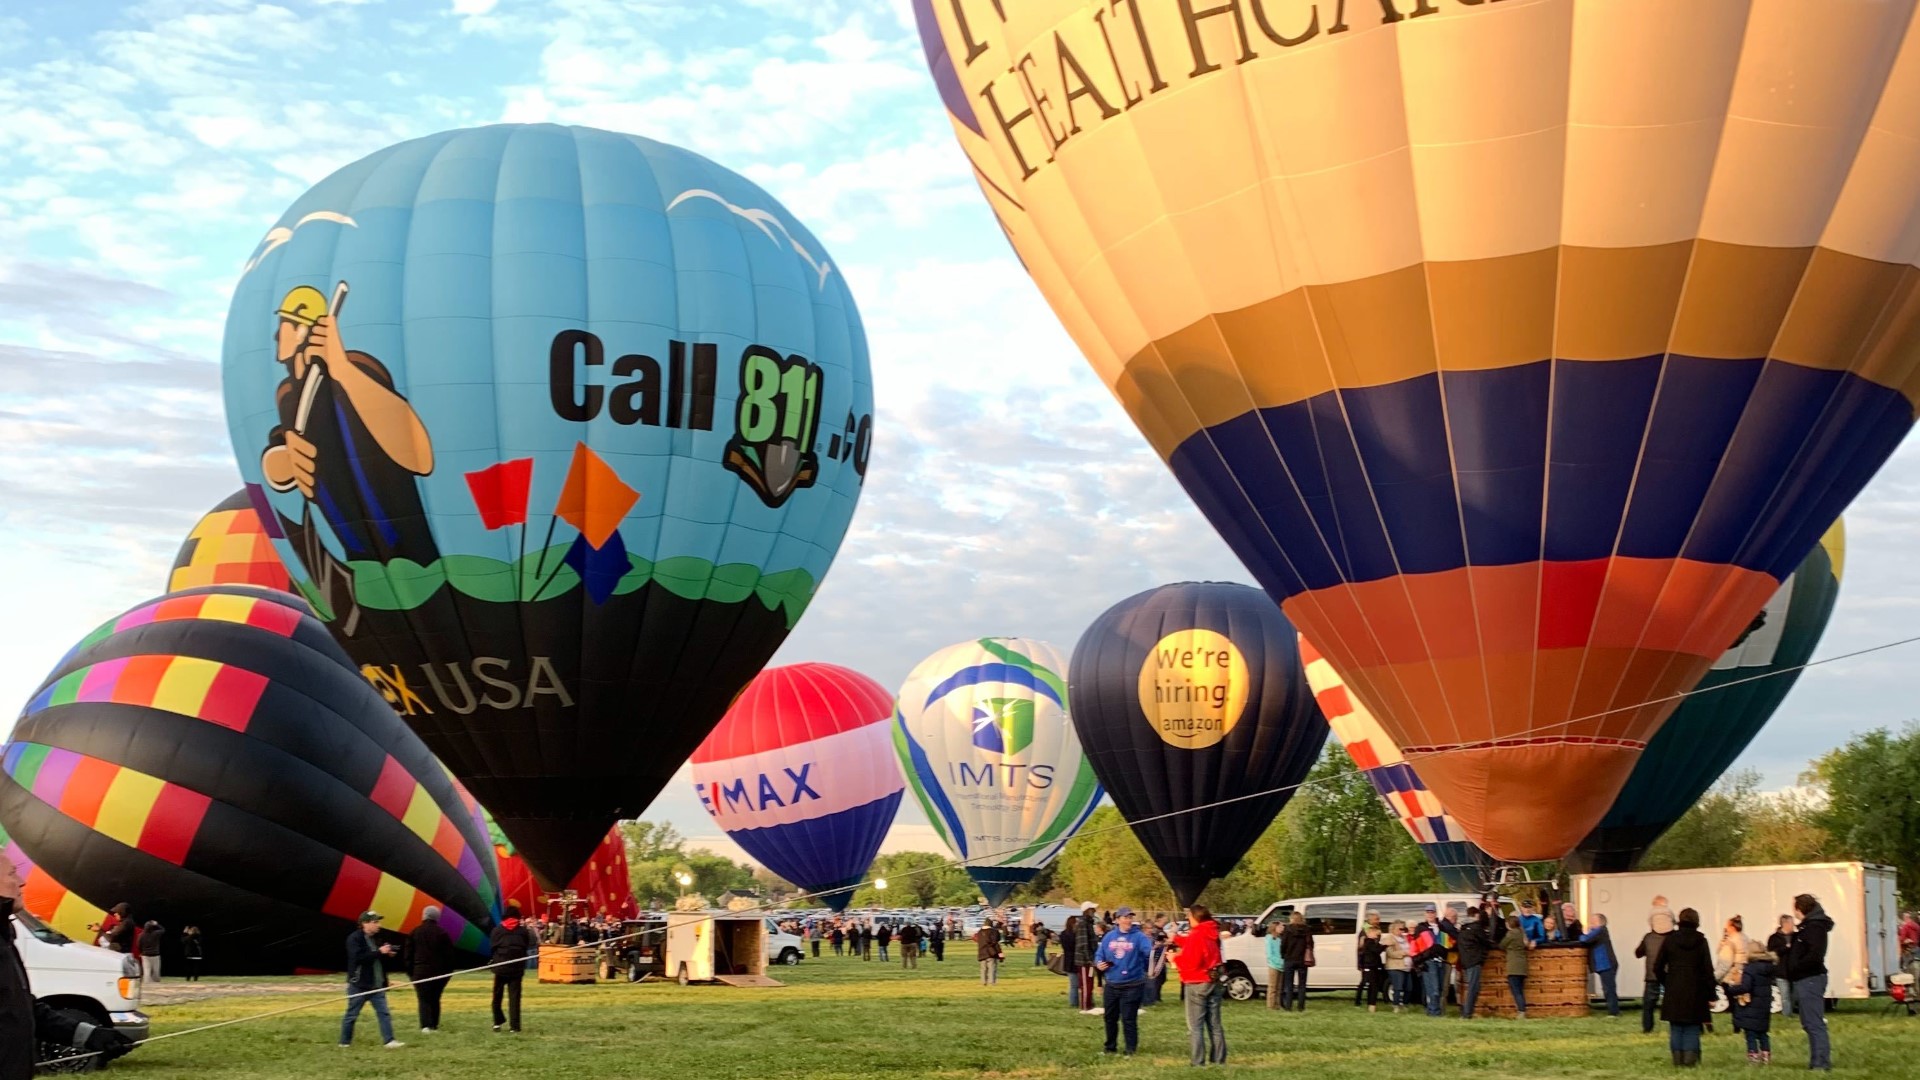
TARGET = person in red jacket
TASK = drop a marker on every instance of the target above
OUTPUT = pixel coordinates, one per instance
(1195, 954)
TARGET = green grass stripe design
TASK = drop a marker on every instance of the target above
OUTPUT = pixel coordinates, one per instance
(1008, 656)
(403, 585)
(67, 690)
(1084, 786)
(27, 769)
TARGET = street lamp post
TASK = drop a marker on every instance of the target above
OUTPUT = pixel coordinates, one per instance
(685, 879)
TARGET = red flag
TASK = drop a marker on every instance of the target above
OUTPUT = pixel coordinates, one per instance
(500, 491)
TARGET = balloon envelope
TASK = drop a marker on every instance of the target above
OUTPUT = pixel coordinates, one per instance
(560, 430)
(1720, 717)
(229, 546)
(213, 758)
(604, 882)
(1459, 861)
(1519, 350)
(983, 737)
(1193, 710)
(801, 774)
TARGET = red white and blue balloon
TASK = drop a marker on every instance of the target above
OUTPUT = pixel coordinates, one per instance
(800, 773)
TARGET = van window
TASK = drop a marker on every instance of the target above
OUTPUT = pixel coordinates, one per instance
(1407, 911)
(1341, 918)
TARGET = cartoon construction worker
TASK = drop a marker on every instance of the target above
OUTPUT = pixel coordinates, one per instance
(347, 441)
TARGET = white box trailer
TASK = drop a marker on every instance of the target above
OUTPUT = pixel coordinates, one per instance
(1862, 951)
(717, 946)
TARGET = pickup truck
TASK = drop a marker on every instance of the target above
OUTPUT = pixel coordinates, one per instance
(66, 974)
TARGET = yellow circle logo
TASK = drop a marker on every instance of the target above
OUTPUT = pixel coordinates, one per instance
(1193, 688)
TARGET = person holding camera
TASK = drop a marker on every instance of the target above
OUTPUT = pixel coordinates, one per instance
(1196, 954)
(367, 980)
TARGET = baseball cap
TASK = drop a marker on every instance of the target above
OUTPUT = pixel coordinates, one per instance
(372, 916)
(1122, 910)
(1088, 906)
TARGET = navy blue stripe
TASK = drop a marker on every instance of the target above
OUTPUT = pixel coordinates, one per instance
(1718, 437)
(815, 853)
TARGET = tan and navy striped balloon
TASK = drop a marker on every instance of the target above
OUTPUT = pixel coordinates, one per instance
(1520, 348)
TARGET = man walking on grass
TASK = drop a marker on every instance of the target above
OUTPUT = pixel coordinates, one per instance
(367, 980)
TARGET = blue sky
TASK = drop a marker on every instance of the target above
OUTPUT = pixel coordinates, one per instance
(144, 149)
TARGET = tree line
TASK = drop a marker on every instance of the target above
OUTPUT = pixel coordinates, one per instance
(1860, 801)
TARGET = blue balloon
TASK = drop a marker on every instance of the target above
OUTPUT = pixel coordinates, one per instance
(559, 430)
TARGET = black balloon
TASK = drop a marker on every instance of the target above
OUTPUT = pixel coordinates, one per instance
(1187, 696)
(213, 758)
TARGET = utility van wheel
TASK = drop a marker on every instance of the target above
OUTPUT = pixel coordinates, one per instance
(1240, 986)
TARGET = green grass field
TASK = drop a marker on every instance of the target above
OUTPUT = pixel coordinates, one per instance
(845, 1018)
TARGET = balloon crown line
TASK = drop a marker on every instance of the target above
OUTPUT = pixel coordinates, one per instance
(946, 864)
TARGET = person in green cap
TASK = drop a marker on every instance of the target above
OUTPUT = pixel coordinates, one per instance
(367, 980)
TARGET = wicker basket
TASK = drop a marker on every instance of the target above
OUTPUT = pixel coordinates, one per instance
(1556, 984)
(561, 965)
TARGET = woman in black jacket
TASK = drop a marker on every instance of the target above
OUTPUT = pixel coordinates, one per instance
(513, 942)
(1685, 968)
(1296, 943)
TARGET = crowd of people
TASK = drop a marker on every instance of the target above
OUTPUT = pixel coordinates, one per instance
(119, 931)
(1118, 963)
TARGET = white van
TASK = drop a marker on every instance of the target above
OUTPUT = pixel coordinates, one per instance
(1336, 923)
(101, 983)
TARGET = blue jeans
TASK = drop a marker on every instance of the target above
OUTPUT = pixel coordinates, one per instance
(1122, 1004)
(1040, 955)
(1758, 1041)
(361, 998)
(883, 952)
(1683, 1037)
(1434, 975)
(1399, 980)
(1073, 988)
(1293, 987)
(1206, 1038)
(1783, 990)
(1610, 989)
(1810, 994)
(1150, 994)
(1469, 990)
(1517, 986)
(1649, 1006)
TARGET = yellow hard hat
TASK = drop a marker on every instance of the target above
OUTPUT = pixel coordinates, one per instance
(304, 304)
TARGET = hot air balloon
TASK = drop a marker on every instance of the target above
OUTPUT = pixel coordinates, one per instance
(603, 882)
(1459, 861)
(1519, 350)
(801, 774)
(559, 430)
(48, 900)
(983, 738)
(213, 757)
(229, 546)
(1721, 715)
(1190, 703)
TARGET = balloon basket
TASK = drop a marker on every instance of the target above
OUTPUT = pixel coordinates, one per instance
(1556, 984)
(563, 965)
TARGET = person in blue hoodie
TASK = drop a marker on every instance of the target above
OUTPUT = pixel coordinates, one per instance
(1123, 956)
(1605, 964)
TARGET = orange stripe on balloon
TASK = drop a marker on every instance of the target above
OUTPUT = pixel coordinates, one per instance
(87, 788)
